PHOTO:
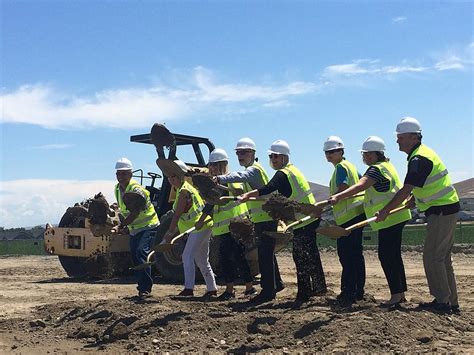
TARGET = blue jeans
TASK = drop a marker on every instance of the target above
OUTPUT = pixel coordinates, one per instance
(140, 247)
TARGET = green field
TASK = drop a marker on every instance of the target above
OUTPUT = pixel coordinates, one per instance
(412, 235)
(22, 247)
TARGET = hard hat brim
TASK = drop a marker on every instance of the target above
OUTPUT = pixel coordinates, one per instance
(273, 152)
(170, 168)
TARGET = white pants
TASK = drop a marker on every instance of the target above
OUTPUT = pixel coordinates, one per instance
(197, 250)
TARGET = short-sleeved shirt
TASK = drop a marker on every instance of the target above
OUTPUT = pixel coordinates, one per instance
(382, 184)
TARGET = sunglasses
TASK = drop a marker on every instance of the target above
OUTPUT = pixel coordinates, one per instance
(273, 156)
(213, 164)
(242, 152)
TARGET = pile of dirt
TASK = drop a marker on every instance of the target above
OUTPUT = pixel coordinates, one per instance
(281, 208)
(242, 229)
(192, 325)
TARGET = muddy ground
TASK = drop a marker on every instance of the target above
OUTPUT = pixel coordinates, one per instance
(42, 311)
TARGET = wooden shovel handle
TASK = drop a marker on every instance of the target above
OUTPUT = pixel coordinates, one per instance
(326, 202)
(235, 198)
(295, 223)
(367, 221)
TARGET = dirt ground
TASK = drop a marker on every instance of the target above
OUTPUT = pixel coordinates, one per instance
(43, 311)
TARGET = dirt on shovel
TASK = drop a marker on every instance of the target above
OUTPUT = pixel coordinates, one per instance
(242, 229)
(281, 208)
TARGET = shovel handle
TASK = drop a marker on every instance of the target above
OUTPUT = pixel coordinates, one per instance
(326, 202)
(235, 198)
(295, 223)
(190, 230)
(372, 219)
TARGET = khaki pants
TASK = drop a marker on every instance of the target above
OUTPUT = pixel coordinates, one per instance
(437, 258)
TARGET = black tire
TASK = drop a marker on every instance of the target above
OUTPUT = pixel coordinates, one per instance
(74, 266)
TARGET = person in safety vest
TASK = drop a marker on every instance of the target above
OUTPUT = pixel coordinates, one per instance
(291, 183)
(188, 207)
(254, 177)
(429, 181)
(231, 252)
(347, 213)
(380, 183)
(140, 222)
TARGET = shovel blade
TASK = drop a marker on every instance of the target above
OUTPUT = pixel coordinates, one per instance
(279, 235)
(333, 232)
(141, 266)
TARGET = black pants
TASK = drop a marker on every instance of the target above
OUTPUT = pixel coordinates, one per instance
(309, 270)
(351, 257)
(232, 257)
(390, 256)
(270, 274)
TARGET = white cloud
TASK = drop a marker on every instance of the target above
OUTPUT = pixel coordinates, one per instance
(25, 203)
(368, 67)
(136, 108)
(53, 146)
(399, 19)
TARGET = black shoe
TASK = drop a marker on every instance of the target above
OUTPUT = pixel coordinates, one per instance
(346, 301)
(427, 305)
(436, 307)
(262, 298)
(320, 292)
(455, 309)
(226, 296)
(250, 292)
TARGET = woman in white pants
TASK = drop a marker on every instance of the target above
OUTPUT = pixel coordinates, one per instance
(188, 206)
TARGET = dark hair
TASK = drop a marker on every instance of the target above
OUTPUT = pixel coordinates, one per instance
(381, 157)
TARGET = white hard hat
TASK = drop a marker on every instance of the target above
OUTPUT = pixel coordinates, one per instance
(279, 147)
(123, 164)
(218, 154)
(181, 165)
(408, 125)
(245, 143)
(332, 143)
(373, 144)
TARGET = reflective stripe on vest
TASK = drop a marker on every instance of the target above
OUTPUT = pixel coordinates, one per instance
(188, 219)
(346, 210)
(300, 190)
(257, 214)
(224, 213)
(374, 201)
(437, 189)
(147, 216)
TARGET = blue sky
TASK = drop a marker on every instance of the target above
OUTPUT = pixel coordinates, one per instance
(78, 78)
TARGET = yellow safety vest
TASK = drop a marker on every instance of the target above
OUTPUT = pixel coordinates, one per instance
(346, 210)
(224, 213)
(257, 214)
(438, 189)
(300, 190)
(188, 219)
(147, 217)
(374, 201)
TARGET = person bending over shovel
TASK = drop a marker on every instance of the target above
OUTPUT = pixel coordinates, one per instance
(254, 177)
(380, 183)
(291, 183)
(187, 206)
(231, 252)
(140, 222)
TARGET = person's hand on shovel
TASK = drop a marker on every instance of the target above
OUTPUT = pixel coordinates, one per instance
(169, 235)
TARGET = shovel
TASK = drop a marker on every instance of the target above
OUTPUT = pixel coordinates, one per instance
(317, 208)
(337, 232)
(162, 247)
(235, 198)
(285, 232)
